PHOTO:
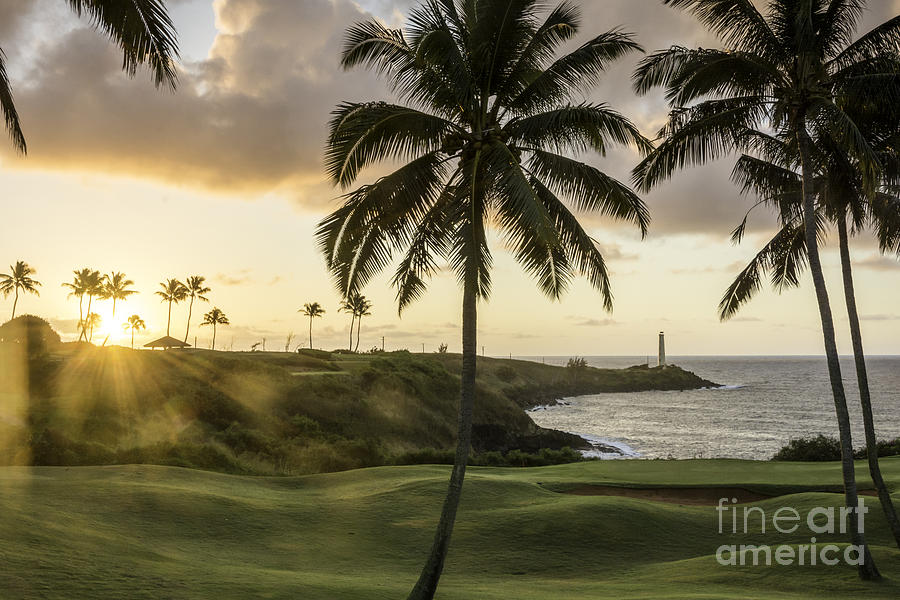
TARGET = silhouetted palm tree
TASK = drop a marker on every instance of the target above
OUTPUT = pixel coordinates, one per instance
(794, 71)
(361, 308)
(215, 317)
(312, 310)
(134, 323)
(347, 307)
(487, 142)
(196, 288)
(173, 292)
(115, 287)
(18, 278)
(79, 286)
(91, 321)
(93, 283)
(142, 30)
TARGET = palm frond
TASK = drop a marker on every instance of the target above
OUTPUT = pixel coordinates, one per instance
(737, 22)
(589, 189)
(366, 133)
(882, 40)
(10, 115)
(143, 31)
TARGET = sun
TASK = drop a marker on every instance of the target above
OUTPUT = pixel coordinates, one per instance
(111, 328)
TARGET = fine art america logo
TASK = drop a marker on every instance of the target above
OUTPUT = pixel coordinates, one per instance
(787, 520)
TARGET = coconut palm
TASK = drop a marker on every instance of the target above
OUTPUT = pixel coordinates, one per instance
(840, 197)
(134, 323)
(347, 307)
(312, 310)
(173, 292)
(361, 308)
(793, 71)
(215, 317)
(18, 278)
(79, 287)
(142, 30)
(115, 287)
(196, 288)
(93, 288)
(486, 142)
(88, 324)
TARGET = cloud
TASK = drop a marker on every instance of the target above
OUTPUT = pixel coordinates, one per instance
(239, 278)
(878, 262)
(251, 118)
(590, 322)
(880, 318)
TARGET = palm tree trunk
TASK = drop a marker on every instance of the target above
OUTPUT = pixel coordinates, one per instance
(16, 301)
(867, 570)
(190, 310)
(358, 325)
(81, 318)
(862, 379)
(169, 322)
(90, 337)
(352, 320)
(214, 337)
(132, 338)
(310, 332)
(426, 586)
(114, 308)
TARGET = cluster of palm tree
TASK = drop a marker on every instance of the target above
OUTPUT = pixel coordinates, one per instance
(114, 286)
(173, 291)
(358, 306)
(490, 128)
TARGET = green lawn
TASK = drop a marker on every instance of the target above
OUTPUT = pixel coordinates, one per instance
(161, 532)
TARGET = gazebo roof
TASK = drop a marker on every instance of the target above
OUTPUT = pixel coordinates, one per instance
(167, 342)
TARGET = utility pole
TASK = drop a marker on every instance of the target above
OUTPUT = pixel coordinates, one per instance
(382, 343)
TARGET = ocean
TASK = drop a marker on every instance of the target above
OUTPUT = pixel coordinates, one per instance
(766, 401)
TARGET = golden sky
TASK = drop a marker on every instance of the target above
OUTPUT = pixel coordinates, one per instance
(224, 179)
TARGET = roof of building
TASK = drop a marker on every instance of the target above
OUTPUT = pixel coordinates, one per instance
(167, 342)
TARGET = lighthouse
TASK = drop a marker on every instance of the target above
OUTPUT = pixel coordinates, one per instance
(662, 349)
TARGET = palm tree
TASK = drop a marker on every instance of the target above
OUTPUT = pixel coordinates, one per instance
(361, 308)
(115, 287)
(87, 325)
(347, 306)
(173, 292)
(486, 142)
(841, 197)
(793, 71)
(18, 278)
(215, 317)
(196, 289)
(93, 283)
(79, 286)
(312, 310)
(142, 30)
(134, 323)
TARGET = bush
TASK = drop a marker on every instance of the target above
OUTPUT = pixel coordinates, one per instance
(33, 333)
(576, 363)
(819, 448)
(320, 354)
(506, 373)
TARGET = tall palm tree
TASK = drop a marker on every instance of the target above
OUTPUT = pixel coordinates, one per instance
(142, 30)
(347, 307)
(79, 287)
(486, 142)
(841, 197)
(196, 288)
(312, 310)
(93, 289)
(18, 278)
(794, 71)
(173, 292)
(215, 317)
(361, 308)
(134, 323)
(116, 287)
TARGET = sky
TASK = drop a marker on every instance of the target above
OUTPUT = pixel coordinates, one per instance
(224, 178)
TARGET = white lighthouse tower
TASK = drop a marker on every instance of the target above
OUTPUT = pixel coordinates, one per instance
(662, 349)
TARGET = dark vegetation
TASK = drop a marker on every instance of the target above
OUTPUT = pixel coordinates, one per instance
(825, 448)
(278, 413)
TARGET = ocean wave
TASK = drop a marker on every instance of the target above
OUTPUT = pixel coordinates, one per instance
(606, 448)
(736, 386)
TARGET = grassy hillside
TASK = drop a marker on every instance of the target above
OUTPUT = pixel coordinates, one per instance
(276, 413)
(159, 532)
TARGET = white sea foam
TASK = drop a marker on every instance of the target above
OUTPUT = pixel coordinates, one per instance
(600, 448)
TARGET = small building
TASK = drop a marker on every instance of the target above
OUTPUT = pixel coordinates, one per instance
(167, 342)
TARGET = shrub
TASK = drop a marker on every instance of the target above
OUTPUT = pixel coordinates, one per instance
(819, 448)
(576, 362)
(33, 333)
(506, 373)
(320, 354)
